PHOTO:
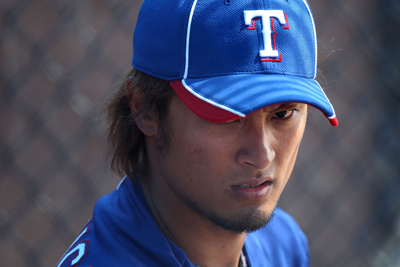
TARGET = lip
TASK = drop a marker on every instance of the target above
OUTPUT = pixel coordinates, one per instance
(252, 189)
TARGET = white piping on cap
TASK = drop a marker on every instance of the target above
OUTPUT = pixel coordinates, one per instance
(333, 110)
(188, 40)
(315, 38)
(210, 101)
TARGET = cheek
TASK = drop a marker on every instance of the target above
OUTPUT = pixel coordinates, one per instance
(201, 162)
(202, 148)
(291, 161)
(288, 149)
(195, 177)
(188, 157)
(291, 155)
(198, 156)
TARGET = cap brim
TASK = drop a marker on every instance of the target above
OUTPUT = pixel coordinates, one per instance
(224, 98)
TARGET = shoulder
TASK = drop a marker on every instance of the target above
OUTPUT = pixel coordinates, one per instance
(281, 243)
(122, 232)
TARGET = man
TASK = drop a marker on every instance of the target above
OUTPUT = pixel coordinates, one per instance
(207, 127)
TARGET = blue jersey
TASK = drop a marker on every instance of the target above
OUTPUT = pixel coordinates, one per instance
(123, 233)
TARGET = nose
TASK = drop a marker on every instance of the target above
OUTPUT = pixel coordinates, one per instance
(257, 147)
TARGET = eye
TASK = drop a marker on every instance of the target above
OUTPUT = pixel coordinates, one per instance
(285, 114)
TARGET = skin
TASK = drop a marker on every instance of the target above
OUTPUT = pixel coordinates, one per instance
(198, 187)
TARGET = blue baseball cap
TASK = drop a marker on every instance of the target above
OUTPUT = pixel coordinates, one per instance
(226, 59)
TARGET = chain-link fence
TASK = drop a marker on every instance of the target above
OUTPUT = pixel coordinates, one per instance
(60, 60)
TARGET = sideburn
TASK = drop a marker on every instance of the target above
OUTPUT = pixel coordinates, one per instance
(164, 134)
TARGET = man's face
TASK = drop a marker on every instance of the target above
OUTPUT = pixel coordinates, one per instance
(233, 173)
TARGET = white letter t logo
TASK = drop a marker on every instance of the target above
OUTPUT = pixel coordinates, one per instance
(269, 53)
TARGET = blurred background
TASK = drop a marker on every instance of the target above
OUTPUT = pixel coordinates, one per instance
(61, 60)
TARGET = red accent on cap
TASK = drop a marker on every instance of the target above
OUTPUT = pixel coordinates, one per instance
(334, 121)
(200, 107)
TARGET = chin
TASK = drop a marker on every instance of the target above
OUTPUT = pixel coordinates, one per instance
(244, 223)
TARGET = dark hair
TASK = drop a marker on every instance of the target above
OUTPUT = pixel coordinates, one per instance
(126, 142)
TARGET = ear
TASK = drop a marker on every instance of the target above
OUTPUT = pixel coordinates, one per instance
(146, 122)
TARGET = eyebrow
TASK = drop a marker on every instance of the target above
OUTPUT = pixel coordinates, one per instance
(281, 106)
(278, 107)
(287, 104)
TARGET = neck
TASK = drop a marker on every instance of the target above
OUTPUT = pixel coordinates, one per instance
(204, 243)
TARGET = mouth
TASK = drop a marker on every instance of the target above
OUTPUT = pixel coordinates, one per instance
(253, 190)
(250, 186)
